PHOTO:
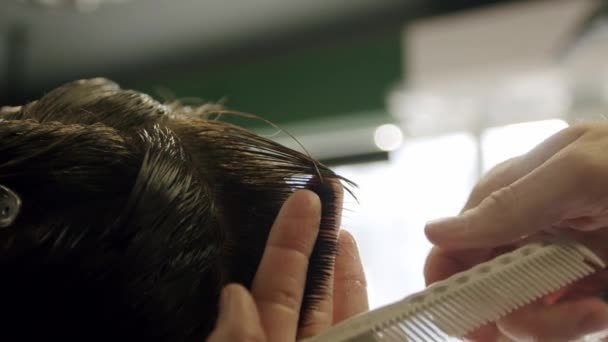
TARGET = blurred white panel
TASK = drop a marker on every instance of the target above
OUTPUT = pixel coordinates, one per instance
(588, 53)
(490, 42)
(428, 113)
(586, 70)
(521, 97)
(538, 95)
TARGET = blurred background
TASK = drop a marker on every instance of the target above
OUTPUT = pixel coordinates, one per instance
(411, 99)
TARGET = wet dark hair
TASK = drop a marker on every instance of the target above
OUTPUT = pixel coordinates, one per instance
(135, 214)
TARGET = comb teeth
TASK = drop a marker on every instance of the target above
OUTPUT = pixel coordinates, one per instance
(470, 299)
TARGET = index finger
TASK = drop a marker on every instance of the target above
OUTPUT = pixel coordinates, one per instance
(278, 286)
(518, 187)
(350, 286)
(319, 315)
(511, 170)
(530, 204)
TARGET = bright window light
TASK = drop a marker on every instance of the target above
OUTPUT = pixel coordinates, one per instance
(425, 179)
(501, 143)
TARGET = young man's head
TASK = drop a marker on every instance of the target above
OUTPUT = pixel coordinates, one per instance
(135, 214)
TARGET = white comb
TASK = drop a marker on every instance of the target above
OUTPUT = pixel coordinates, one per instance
(467, 300)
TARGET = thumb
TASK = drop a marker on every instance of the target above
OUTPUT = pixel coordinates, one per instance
(238, 318)
(530, 204)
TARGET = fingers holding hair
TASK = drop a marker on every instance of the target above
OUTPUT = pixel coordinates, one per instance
(350, 286)
(319, 317)
(278, 286)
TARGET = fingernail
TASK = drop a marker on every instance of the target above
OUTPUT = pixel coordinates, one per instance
(349, 242)
(442, 225)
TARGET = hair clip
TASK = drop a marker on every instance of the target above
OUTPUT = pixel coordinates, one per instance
(10, 206)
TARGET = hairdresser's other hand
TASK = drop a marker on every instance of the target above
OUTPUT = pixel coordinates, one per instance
(561, 185)
(270, 312)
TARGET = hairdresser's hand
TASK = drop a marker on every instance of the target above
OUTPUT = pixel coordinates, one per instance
(561, 185)
(270, 312)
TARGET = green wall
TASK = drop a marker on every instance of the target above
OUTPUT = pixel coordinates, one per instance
(300, 84)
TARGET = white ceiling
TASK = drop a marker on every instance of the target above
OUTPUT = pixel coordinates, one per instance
(64, 42)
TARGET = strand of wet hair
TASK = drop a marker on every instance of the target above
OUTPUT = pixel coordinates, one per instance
(273, 125)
